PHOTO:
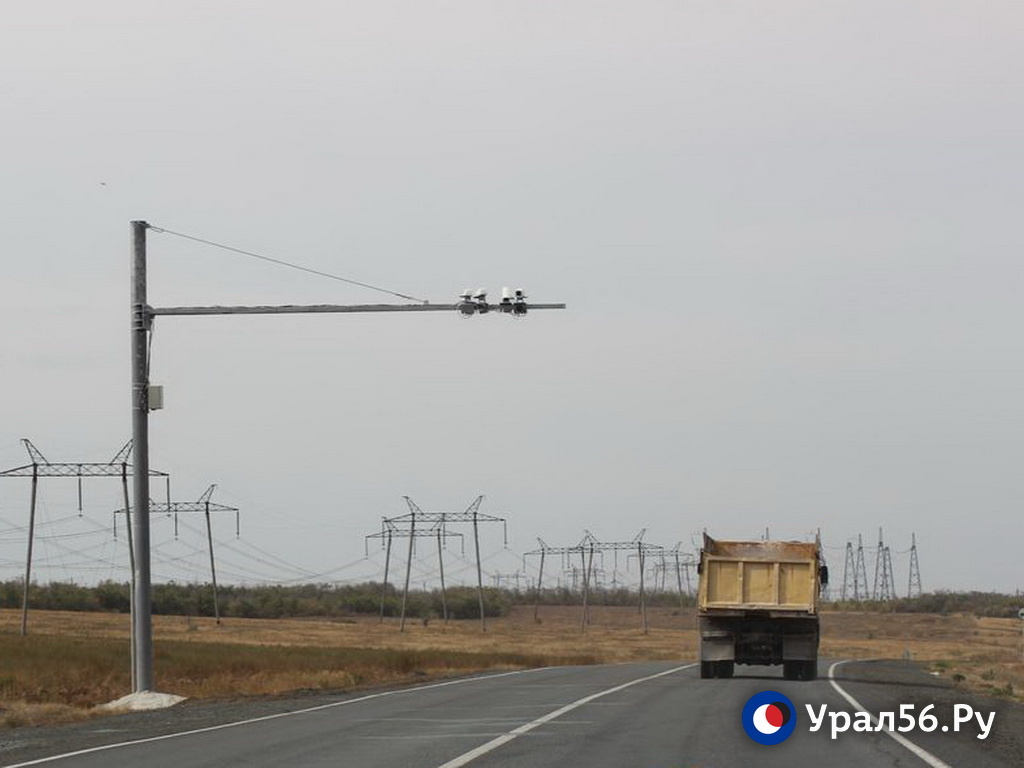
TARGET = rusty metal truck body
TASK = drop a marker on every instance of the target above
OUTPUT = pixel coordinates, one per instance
(758, 604)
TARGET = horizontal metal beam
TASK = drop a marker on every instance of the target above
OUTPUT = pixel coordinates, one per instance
(606, 546)
(183, 506)
(419, 533)
(74, 470)
(307, 309)
(444, 517)
(556, 551)
(623, 546)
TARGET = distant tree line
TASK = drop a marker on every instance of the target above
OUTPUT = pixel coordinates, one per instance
(339, 601)
(265, 602)
(601, 596)
(988, 604)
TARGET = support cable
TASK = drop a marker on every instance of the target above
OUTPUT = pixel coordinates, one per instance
(283, 263)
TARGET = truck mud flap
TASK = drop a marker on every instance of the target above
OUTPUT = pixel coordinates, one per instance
(717, 646)
(800, 647)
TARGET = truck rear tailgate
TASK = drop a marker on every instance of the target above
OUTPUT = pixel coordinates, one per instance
(756, 585)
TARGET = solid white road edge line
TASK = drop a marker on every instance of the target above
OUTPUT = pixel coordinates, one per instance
(307, 710)
(924, 754)
(493, 744)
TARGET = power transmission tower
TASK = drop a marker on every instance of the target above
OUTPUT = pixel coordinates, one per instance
(118, 466)
(914, 584)
(849, 569)
(391, 530)
(473, 516)
(174, 508)
(577, 574)
(883, 572)
(860, 573)
(678, 562)
(543, 551)
(685, 563)
(888, 577)
(587, 556)
(638, 548)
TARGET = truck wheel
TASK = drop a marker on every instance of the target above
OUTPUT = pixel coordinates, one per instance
(707, 670)
(809, 671)
(791, 670)
(725, 668)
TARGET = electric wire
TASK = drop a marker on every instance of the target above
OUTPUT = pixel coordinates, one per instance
(295, 570)
(283, 563)
(221, 545)
(246, 563)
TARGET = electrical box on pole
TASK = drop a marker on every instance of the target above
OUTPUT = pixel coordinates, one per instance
(156, 397)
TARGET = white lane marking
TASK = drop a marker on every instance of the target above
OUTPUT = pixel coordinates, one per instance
(307, 710)
(453, 722)
(442, 720)
(555, 686)
(924, 754)
(505, 738)
(496, 722)
(425, 736)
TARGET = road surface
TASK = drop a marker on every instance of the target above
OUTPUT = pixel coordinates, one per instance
(657, 715)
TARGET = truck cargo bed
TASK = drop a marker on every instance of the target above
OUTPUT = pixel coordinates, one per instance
(758, 604)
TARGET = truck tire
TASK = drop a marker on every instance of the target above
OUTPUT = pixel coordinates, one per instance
(707, 670)
(725, 668)
(810, 670)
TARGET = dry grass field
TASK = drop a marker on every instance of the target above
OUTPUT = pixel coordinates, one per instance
(73, 661)
(981, 654)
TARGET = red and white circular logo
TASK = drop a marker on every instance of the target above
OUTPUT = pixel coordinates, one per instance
(769, 718)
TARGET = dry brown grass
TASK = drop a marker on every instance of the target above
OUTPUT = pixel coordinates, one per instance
(979, 654)
(268, 656)
(612, 636)
(15, 714)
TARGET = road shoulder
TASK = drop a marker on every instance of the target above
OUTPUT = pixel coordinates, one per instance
(882, 686)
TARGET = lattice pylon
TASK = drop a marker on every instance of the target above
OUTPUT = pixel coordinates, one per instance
(914, 583)
(849, 570)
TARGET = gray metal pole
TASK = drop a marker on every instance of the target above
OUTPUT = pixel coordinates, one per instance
(590, 578)
(28, 556)
(586, 587)
(128, 521)
(540, 582)
(142, 620)
(408, 570)
(131, 564)
(643, 597)
(213, 567)
(384, 586)
(479, 573)
(679, 580)
(440, 564)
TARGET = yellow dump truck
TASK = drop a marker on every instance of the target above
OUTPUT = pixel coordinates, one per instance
(758, 604)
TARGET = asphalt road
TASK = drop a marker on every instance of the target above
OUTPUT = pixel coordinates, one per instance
(656, 715)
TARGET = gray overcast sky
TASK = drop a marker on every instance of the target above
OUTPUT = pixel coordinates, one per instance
(788, 235)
